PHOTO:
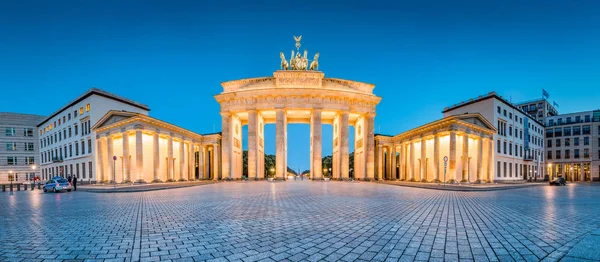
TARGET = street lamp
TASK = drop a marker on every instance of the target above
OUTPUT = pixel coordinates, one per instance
(33, 167)
(10, 177)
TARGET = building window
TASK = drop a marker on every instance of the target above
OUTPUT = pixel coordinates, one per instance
(11, 131)
(498, 146)
(549, 143)
(87, 109)
(549, 133)
(81, 110)
(77, 169)
(577, 119)
(576, 153)
(586, 141)
(576, 141)
(510, 115)
(70, 150)
(82, 147)
(577, 130)
(510, 130)
(510, 149)
(89, 146)
(586, 153)
(567, 131)
(29, 146)
(549, 154)
(82, 170)
(11, 160)
(75, 113)
(587, 118)
(28, 132)
(510, 169)
(567, 154)
(499, 110)
(558, 154)
(504, 169)
(586, 130)
(567, 142)
(29, 160)
(90, 169)
(558, 132)
(76, 149)
(69, 131)
(499, 171)
(504, 147)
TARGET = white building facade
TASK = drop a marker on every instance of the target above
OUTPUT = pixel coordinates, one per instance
(19, 147)
(538, 109)
(66, 137)
(573, 146)
(519, 140)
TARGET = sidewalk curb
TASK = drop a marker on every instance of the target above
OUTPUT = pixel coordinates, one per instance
(459, 189)
(127, 190)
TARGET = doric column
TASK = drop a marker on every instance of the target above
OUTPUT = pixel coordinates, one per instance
(181, 160)
(480, 158)
(380, 161)
(490, 167)
(109, 158)
(317, 144)
(226, 141)
(393, 163)
(344, 149)
(156, 165)
(200, 161)
(170, 162)
(100, 173)
(280, 168)
(423, 159)
(126, 156)
(411, 162)
(436, 157)
(216, 162)
(465, 158)
(191, 161)
(402, 155)
(252, 145)
(139, 156)
(370, 149)
(452, 155)
(388, 162)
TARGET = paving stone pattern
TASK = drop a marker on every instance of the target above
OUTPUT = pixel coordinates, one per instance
(300, 221)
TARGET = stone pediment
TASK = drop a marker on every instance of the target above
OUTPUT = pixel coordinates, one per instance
(476, 119)
(113, 117)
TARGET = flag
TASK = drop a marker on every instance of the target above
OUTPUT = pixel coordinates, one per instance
(545, 93)
(554, 103)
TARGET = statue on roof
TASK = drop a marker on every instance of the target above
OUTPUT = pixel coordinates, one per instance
(298, 62)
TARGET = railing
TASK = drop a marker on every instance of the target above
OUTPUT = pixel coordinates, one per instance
(57, 159)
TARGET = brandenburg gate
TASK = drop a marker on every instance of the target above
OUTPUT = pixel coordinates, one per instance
(298, 93)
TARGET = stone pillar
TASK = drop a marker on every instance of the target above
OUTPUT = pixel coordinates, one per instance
(411, 162)
(280, 168)
(139, 156)
(387, 153)
(156, 158)
(125, 163)
(109, 159)
(401, 156)
(200, 161)
(226, 144)
(465, 158)
(317, 147)
(191, 161)
(100, 175)
(170, 162)
(436, 157)
(380, 162)
(490, 167)
(252, 145)
(393, 163)
(452, 156)
(423, 159)
(344, 146)
(216, 162)
(181, 160)
(480, 158)
(370, 149)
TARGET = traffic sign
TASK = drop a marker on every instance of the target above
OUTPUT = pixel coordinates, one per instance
(445, 158)
(115, 158)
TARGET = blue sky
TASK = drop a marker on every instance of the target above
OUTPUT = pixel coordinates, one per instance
(421, 55)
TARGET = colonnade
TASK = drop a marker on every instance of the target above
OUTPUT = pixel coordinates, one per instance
(139, 155)
(421, 158)
(232, 141)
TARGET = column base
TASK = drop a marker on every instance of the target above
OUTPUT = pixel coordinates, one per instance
(157, 181)
(140, 181)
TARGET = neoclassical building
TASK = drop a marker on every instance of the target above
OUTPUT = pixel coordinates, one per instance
(133, 147)
(466, 141)
(298, 93)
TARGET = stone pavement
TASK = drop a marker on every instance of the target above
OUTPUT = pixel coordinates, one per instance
(301, 221)
(466, 187)
(122, 188)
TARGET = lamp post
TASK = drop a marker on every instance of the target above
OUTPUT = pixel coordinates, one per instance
(122, 169)
(10, 177)
(114, 172)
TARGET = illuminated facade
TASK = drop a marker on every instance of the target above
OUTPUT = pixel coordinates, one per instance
(67, 142)
(519, 140)
(19, 147)
(133, 147)
(466, 141)
(298, 94)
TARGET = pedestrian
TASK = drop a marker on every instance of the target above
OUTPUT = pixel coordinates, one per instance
(70, 179)
(75, 183)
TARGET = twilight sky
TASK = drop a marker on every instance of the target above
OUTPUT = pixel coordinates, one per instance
(421, 55)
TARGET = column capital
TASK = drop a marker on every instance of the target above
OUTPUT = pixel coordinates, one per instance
(225, 114)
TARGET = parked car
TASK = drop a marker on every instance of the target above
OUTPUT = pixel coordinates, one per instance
(57, 184)
(559, 181)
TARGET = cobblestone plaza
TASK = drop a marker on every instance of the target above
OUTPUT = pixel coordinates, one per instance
(301, 221)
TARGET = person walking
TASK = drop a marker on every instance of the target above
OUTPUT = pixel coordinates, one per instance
(70, 179)
(74, 183)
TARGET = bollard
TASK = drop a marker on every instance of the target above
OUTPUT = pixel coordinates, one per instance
(39, 186)
(24, 187)
(11, 188)
(3, 188)
(32, 187)
(18, 187)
